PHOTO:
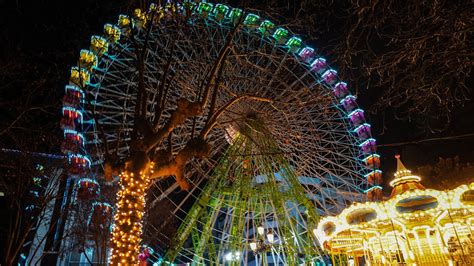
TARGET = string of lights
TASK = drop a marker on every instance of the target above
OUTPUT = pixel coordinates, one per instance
(129, 209)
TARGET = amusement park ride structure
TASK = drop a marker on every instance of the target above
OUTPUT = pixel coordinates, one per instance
(288, 142)
(415, 226)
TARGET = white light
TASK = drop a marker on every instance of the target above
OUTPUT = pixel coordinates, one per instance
(408, 178)
(270, 237)
(253, 246)
(228, 256)
(351, 261)
(260, 230)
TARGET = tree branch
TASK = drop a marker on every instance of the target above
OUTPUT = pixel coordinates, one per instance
(213, 121)
(187, 109)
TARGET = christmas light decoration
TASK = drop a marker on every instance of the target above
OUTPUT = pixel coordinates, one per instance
(129, 209)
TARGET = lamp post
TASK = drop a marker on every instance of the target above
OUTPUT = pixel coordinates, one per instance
(262, 243)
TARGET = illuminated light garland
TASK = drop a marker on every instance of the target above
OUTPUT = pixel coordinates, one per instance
(408, 178)
(129, 209)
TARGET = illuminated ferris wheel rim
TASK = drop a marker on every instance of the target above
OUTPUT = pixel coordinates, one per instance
(317, 61)
(218, 16)
(307, 56)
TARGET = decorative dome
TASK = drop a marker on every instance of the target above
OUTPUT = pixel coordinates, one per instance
(404, 180)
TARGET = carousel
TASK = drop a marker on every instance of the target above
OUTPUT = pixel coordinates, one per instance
(414, 226)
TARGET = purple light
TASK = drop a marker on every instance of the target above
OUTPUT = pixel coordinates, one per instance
(307, 54)
(363, 131)
(357, 117)
(349, 103)
(368, 146)
(319, 65)
(330, 76)
(341, 90)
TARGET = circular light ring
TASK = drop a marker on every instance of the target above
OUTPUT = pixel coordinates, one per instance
(224, 15)
(404, 179)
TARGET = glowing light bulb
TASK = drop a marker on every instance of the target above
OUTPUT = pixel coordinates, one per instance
(270, 237)
(260, 230)
(253, 246)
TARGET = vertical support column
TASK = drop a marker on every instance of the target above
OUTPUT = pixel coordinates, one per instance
(58, 221)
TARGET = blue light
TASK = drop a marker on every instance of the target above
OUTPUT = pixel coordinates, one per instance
(89, 180)
(366, 142)
(372, 188)
(80, 156)
(72, 132)
(373, 172)
(355, 112)
(102, 203)
(74, 88)
(370, 156)
(361, 126)
(348, 97)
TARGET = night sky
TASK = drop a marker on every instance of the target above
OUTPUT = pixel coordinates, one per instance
(40, 40)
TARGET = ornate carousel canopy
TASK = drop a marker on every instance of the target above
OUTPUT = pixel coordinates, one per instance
(414, 226)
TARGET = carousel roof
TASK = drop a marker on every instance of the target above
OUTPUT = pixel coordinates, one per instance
(404, 180)
(410, 204)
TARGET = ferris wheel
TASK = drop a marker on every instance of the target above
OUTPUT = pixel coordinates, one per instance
(275, 165)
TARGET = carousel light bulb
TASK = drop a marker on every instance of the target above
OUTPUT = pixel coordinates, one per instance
(351, 261)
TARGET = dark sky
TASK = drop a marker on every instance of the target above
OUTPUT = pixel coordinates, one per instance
(41, 39)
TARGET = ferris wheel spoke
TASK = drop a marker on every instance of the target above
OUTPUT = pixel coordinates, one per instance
(305, 145)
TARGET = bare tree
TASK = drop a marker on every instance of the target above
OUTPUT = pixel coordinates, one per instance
(90, 223)
(148, 158)
(31, 189)
(410, 60)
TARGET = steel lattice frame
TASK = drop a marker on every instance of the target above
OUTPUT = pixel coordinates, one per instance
(313, 120)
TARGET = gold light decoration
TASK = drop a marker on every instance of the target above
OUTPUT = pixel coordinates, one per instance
(129, 209)
(415, 226)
